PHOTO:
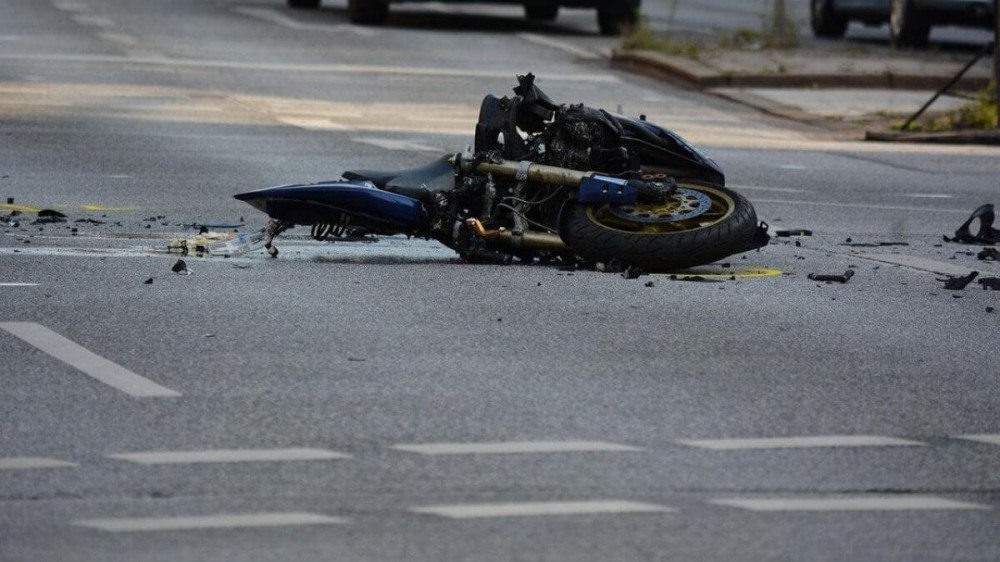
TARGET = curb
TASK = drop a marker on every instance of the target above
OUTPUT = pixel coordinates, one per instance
(664, 66)
(952, 137)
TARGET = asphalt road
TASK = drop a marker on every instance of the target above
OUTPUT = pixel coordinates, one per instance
(381, 401)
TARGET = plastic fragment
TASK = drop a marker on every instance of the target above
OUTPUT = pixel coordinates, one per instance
(990, 283)
(181, 268)
(832, 278)
(793, 232)
(989, 254)
(960, 282)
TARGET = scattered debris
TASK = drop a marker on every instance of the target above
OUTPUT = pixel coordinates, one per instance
(148, 281)
(240, 265)
(832, 278)
(633, 273)
(986, 233)
(872, 244)
(356, 359)
(217, 243)
(181, 268)
(89, 221)
(650, 284)
(695, 278)
(206, 227)
(48, 216)
(793, 232)
(958, 283)
(209, 335)
(989, 309)
(989, 254)
(990, 283)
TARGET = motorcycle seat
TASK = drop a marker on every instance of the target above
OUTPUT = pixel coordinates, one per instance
(419, 183)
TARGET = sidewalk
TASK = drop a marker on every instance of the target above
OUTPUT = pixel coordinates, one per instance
(836, 87)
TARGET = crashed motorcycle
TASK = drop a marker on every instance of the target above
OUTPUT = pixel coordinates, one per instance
(543, 182)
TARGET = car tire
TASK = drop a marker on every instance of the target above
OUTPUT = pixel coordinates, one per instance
(304, 4)
(907, 26)
(541, 12)
(826, 23)
(615, 21)
(368, 12)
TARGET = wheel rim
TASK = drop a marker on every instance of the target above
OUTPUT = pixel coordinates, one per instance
(689, 208)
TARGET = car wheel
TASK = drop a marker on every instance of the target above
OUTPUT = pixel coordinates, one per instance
(825, 21)
(614, 22)
(541, 12)
(368, 12)
(907, 26)
(304, 4)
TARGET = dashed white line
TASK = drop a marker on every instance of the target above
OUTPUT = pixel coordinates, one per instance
(799, 442)
(95, 21)
(922, 264)
(18, 284)
(70, 6)
(988, 438)
(86, 361)
(793, 167)
(220, 521)
(397, 144)
(775, 189)
(514, 447)
(857, 503)
(527, 509)
(228, 455)
(927, 195)
(25, 463)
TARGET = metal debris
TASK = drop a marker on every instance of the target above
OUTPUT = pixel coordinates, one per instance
(832, 278)
(633, 273)
(181, 268)
(958, 283)
(793, 232)
(48, 216)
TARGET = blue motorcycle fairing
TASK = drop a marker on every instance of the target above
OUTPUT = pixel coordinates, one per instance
(662, 148)
(325, 203)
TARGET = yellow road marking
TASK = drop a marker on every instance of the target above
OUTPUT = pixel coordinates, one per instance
(19, 208)
(86, 208)
(737, 273)
(107, 209)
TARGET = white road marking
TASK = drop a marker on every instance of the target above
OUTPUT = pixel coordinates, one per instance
(120, 38)
(228, 455)
(988, 438)
(18, 284)
(799, 442)
(220, 521)
(927, 195)
(563, 46)
(793, 167)
(86, 361)
(480, 510)
(316, 68)
(923, 264)
(24, 463)
(285, 21)
(776, 189)
(856, 503)
(397, 144)
(312, 123)
(862, 206)
(514, 447)
(96, 21)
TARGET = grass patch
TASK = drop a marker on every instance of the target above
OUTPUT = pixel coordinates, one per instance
(641, 37)
(978, 114)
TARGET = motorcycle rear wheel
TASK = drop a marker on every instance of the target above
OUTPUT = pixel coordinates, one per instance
(699, 224)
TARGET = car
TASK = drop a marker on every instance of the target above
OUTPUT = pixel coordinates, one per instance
(612, 15)
(910, 21)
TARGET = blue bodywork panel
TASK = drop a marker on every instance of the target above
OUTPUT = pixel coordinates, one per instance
(604, 189)
(325, 203)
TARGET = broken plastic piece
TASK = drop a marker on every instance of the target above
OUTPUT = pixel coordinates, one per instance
(633, 273)
(832, 278)
(989, 254)
(990, 283)
(960, 282)
(46, 216)
(181, 268)
(793, 232)
(238, 244)
(986, 233)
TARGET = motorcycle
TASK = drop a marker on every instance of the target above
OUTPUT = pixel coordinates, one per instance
(544, 181)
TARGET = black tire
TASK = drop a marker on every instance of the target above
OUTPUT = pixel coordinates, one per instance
(538, 12)
(368, 12)
(825, 21)
(907, 26)
(731, 233)
(615, 21)
(304, 4)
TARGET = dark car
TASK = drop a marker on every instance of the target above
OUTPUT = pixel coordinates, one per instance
(910, 21)
(612, 15)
